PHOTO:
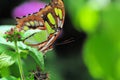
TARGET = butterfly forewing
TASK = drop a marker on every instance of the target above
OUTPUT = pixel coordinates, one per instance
(50, 19)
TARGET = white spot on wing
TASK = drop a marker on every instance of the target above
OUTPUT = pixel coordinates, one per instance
(36, 23)
(27, 24)
(41, 15)
(60, 24)
(40, 23)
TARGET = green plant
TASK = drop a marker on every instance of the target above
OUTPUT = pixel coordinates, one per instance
(13, 52)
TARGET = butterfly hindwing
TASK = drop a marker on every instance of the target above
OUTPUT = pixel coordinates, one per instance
(50, 19)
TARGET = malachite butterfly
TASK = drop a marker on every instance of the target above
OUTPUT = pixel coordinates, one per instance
(48, 20)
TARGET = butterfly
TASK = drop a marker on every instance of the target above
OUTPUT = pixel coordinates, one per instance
(49, 19)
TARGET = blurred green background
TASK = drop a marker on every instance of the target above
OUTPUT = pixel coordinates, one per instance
(94, 25)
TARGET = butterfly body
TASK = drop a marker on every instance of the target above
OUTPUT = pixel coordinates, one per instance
(50, 19)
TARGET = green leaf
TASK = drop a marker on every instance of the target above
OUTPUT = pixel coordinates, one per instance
(52, 66)
(7, 59)
(4, 72)
(101, 57)
(102, 50)
(10, 78)
(7, 54)
(5, 48)
(88, 19)
(38, 57)
(29, 61)
(3, 41)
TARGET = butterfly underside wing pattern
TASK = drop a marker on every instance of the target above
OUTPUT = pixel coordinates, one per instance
(49, 19)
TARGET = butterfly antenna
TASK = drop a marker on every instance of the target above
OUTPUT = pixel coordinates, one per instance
(70, 40)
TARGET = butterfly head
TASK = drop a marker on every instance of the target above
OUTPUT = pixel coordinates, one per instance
(59, 3)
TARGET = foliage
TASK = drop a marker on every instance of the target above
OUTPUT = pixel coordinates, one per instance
(99, 19)
(102, 49)
(30, 57)
(9, 57)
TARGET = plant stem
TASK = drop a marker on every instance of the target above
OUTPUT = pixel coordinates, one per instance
(19, 61)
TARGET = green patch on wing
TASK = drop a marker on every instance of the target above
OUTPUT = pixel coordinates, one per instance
(49, 29)
(58, 12)
(51, 18)
(35, 36)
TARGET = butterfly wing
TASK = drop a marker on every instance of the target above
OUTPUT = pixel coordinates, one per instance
(50, 19)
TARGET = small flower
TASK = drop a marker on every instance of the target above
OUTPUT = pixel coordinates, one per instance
(13, 35)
